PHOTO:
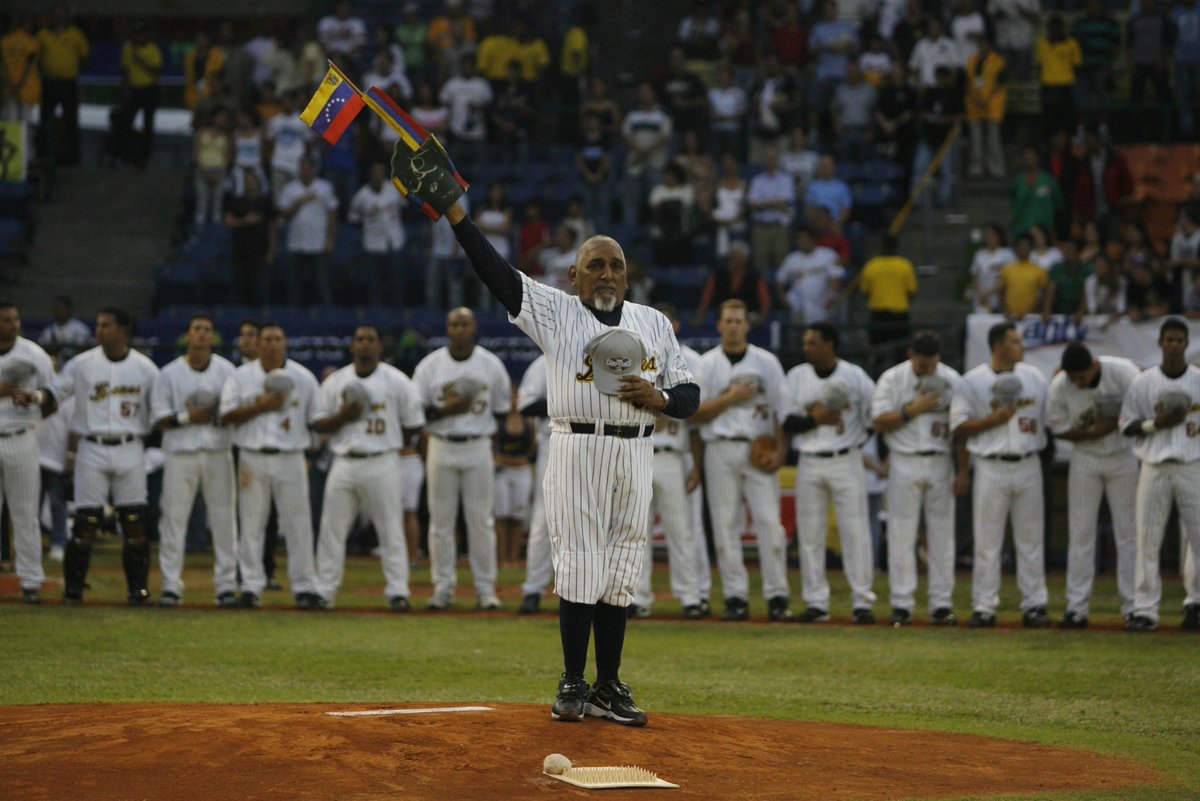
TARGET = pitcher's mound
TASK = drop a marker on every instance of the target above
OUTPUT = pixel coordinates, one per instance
(297, 752)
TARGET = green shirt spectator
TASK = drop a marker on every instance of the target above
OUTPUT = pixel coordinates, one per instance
(1036, 197)
(411, 35)
(1067, 279)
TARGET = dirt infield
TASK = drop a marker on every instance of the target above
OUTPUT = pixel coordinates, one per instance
(298, 752)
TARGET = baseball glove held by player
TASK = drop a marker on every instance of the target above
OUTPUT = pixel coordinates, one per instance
(427, 176)
(761, 452)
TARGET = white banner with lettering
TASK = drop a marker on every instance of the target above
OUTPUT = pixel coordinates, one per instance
(1046, 339)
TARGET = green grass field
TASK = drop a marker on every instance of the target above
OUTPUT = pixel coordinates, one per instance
(1129, 695)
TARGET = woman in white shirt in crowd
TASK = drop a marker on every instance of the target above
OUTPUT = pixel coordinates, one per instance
(1044, 253)
(986, 266)
(1104, 291)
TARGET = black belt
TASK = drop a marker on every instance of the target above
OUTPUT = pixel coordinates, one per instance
(459, 437)
(610, 430)
(355, 455)
(266, 451)
(733, 439)
(16, 432)
(1009, 457)
(925, 453)
(666, 450)
(828, 454)
(99, 440)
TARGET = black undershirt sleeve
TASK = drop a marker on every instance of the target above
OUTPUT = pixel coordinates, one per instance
(500, 277)
(684, 401)
(795, 424)
(536, 408)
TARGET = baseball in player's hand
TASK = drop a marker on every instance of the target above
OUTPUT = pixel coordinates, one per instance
(924, 402)
(824, 416)
(640, 393)
(962, 482)
(271, 401)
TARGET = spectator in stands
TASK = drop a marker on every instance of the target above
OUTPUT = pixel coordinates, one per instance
(278, 64)
(533, 235)
(309, 206)
(700, 169)
(1186, 14)
(935, 50)
(381, 40)
(1067, 278)
(799, 160)
(22, 82)
(1044, 253)
(672, 218)
(593, 162)
(467, 96)
(495, 219)
(1151, 37)
(428, 110)
(1035, 196)
(1059, 57)
(199, 66)
(532, 53)
(599, 104)
(739, 47)
(386, 72)
(141, 63)
(941, 110)
(966, 24)
(774, 110)
(1022, 282)
(727, 107)
(853, 111)
(810, 279)
(412, 34)
(1104, 291)
(239, 65)
(1097, 184)
(1149, 292)
(573, 68)
(248, 143)
(66, 335)
(789, 38)
(684, 96)
(555, 261)
(1099, 38)
(212, 150)
(889, 281)
(771, 201)
(735, 281)
(497, 48)
(445, 266)
(577, 220)
(1092, 244)
(895, 118)
(63, 49)
(829, 192)
(986, 102)
(828, 234)
(510, 117)
(311, 61)
(986, 265)
(342, 35)
(376, 207)
(908, 29)
(1184, 257)
(286, 143)
(728, 212)
(698, 32)
(833, 43)
(875, 62)
(250, 218)
(647, 132)
(1015, 22)
(451, 38)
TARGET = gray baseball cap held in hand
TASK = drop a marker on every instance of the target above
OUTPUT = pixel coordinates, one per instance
(615, 353)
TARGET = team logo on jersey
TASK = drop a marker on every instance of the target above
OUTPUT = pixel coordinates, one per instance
(101, 391)
(586, 376)
(650, 364)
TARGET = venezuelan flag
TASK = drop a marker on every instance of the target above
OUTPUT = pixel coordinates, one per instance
(334, 106)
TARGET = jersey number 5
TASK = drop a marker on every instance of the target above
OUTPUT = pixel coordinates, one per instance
(128, 408)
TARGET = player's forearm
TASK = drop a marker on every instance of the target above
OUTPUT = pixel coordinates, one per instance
(328, 425)
(682, 401)
(241, 415)
(496, 273)
(798, 423)
(711, 409)
(969, 428)
(888, 421)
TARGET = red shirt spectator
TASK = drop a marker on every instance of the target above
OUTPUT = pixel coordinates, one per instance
(790, 39)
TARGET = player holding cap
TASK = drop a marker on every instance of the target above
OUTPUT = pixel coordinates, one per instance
(831, 399)
(1161, 413)
(24, 366)
(602, 402)
(270, 402)
(998, 417)
(1085, 402)
(464, 388)
(911, 409)
(183, 405)
(369, 410)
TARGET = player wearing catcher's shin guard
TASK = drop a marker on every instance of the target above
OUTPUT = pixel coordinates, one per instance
(135, 552)
(612, 367)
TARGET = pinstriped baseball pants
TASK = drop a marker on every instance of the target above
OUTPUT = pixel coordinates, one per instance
(20, 481)
(1089, 479)
(1157, 484)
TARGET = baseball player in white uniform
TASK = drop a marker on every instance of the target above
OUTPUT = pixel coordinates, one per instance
(830, 399)
(369, 410)
(611, 367)
(24, 367)
(111, 384)
(911, 409)
(515, 453)
(269, 401)
(463, 388)
(184, 404)
(1085, 402)
(743, 390)
(999, 415)
(531, 400)
(676, 476)
(1161, 413)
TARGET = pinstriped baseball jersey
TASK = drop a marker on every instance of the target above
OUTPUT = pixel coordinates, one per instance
(676, 434)
(395, 406)
(533, 388)
(1025, 431)
(24, 350)
(1181, 442)
(927, 432)
(562, 327)
(285, 429)
(804, 388)
(174, 385)
(1071, 407)
(112, 397)
(439, 369)
(756, 417)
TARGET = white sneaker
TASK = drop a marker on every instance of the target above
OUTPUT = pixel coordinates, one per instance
(56, 553)
(488, 603)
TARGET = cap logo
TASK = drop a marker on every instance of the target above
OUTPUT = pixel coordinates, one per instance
(618, 364)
